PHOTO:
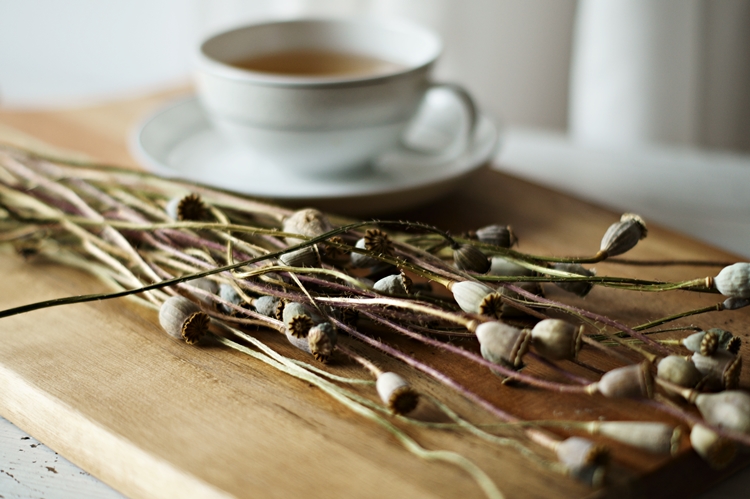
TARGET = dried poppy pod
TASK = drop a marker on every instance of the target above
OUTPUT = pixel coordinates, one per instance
(499, 235)
(678, 370)
(183, 319)
(716, 450)
(398, 284)
(634, 381)
(503, 267)
(734, 280)
(322, 340)
(702, 341)
(207, 285)
(622, 236)
(332, 252)
(579, 288)
(470, 258)
(654, 437)
(304, 257)
(189, 207)
(578, 452)
(298, 343)
(735, 303)
(270, 306)
(469, 294)
(306, 222)
(378, 242)
(361, 260)
(229, 294)
(492, 305)
(729, 409)
(726, 340)
(503, 344)
(721, 370)
(707, 342)
(555, 339)
(297, 319)
(396, 394)
(734, 345)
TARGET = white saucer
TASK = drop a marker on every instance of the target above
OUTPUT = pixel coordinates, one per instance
(178, 141)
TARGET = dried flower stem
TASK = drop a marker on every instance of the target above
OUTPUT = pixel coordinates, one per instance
(711, 308)
(597, 317)
(338, 393)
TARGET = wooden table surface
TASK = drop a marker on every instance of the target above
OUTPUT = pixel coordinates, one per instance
(101, 384)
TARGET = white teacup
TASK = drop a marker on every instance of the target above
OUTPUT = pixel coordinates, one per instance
(318, 96)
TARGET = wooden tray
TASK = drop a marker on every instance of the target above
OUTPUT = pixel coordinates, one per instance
(102, 385)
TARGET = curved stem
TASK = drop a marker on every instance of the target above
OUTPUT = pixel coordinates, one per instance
(597, 317)
(711, 308)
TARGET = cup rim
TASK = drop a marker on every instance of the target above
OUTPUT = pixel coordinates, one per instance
(207, 63)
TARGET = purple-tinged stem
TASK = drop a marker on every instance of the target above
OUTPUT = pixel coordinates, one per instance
(591, 315)
(505, 371)
(541, 437)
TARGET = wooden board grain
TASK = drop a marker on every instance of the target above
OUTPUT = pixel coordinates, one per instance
(102, 385)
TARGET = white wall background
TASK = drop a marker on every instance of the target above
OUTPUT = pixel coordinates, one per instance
(640, 71)
(513, 54)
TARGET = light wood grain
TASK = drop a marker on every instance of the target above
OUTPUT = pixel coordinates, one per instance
(102, 385)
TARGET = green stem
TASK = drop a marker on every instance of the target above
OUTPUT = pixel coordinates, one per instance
(711, 308)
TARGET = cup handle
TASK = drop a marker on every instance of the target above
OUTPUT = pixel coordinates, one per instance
(418, 148)
(466, 99)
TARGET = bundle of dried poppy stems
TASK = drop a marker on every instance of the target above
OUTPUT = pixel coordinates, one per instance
(219, 265)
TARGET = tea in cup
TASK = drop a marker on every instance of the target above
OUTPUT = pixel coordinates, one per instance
(318, 96)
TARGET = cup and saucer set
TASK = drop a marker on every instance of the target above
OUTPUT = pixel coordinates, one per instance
(339, 114)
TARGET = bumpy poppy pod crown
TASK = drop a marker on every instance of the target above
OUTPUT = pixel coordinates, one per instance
(492, 305)
(183, 319)
(332, 251)
(189, 207)
(721, 370)
(321, 341)
(378, 241)
(297, 319)
(396, 393)
(469, 294)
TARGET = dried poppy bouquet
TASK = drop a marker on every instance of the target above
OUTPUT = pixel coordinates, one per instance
(218, 268)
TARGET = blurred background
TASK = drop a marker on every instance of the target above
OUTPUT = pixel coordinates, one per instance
(642, 105)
